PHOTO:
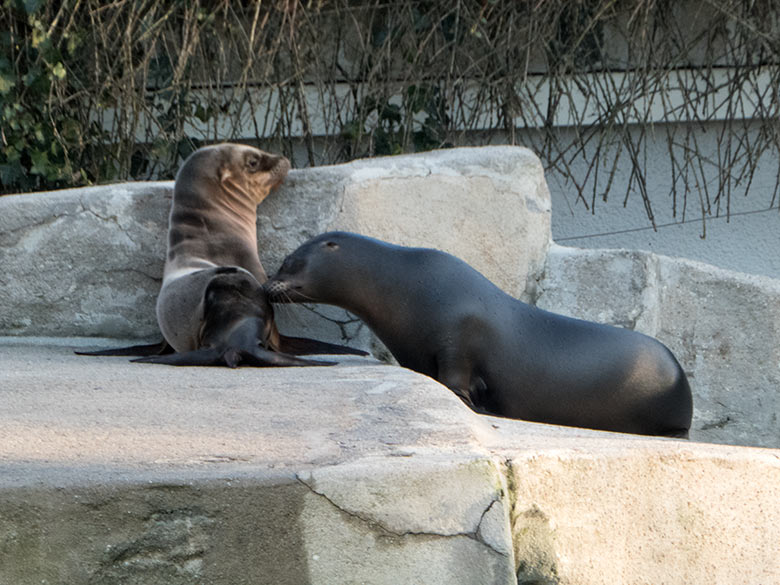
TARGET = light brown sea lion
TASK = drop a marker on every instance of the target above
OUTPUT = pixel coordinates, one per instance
(212, 227)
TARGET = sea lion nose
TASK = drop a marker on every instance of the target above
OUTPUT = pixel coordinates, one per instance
(272, 288)
(283, 164)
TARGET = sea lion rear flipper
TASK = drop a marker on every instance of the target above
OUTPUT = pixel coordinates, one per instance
(261, 357)
(153, 349)
(231, 358)
(304, 346)
(198, 357)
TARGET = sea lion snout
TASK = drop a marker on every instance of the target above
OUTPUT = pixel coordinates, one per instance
(277, 291)
(278, 172)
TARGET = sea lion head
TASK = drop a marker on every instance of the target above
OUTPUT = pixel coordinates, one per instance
(235, 172)
(232, 296)
(316, 271)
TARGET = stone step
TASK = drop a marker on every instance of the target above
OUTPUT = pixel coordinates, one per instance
(114, 472)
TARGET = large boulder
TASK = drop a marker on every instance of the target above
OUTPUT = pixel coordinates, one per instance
(83, 261)
(88, 262)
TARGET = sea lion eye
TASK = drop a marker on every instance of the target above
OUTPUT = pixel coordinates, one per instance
(330, 244)
(256, 163)
(253, 164)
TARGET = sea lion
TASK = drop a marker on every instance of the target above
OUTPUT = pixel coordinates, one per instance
(211, 308)
(235, 326)
(440, 317)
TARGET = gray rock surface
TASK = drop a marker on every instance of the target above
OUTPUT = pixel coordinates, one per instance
(489, 206)
(88, 262)
(114, 473)
(83, 261)
(723, 327)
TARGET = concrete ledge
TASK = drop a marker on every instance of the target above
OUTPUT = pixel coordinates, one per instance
(723, 326)
(112, 472)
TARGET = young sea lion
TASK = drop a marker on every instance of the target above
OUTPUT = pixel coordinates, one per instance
(212, 226)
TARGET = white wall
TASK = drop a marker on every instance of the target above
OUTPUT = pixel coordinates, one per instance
(748, 241)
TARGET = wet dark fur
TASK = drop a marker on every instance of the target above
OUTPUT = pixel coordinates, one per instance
(440, 317)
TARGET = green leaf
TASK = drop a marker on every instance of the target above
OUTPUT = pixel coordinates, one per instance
(391, 113)
(56, 171)
(75, 40)
(39, 35)
(7, 83)
(11, 174)
(36, 80)
(351, 130)
(160, 149)
(71, 131)
(58, 71)
(40, 162)
(12, 154)
(201, 113)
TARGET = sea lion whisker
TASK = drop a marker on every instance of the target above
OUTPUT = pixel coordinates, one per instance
(284, 306)
(303, 295)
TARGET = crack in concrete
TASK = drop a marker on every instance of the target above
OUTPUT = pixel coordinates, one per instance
(112, 219)
(718, 424)
(482, 517)
(528, 569)
(374, 524)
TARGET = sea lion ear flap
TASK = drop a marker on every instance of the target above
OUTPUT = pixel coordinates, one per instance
(224, 174)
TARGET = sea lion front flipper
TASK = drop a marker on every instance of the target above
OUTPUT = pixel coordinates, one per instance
(199, 357)
(304, 346)
(261, 357)
(152, 349)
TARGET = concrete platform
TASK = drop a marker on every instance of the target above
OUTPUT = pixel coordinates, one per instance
(113, 472)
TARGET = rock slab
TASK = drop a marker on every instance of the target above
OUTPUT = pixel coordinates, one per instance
(115, 473)
(88, 262)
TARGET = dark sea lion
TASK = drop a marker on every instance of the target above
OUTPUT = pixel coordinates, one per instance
(440, 317)
(212, 227)
(235, 326)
